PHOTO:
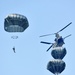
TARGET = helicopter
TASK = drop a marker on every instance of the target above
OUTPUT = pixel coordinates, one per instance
(59, 41)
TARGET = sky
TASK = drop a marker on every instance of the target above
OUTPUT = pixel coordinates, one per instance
(44, 17)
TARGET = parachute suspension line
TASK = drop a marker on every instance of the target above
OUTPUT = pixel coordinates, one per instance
(14, 37)
(54, 69)
(56, 73)
(14, 43)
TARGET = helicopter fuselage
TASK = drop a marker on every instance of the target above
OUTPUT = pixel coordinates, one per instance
(58, 42)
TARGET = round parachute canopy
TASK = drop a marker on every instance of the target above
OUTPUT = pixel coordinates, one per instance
(58, 52)
(56, 66)
(15, 23)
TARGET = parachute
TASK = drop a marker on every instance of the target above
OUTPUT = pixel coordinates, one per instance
(15, 23)
(58, 52)
(56, 66)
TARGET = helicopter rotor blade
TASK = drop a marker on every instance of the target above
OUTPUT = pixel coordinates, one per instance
(50, 47)
(47, 35)
(58, 31)
(67, 36)
(64, 27)
(45, 42)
